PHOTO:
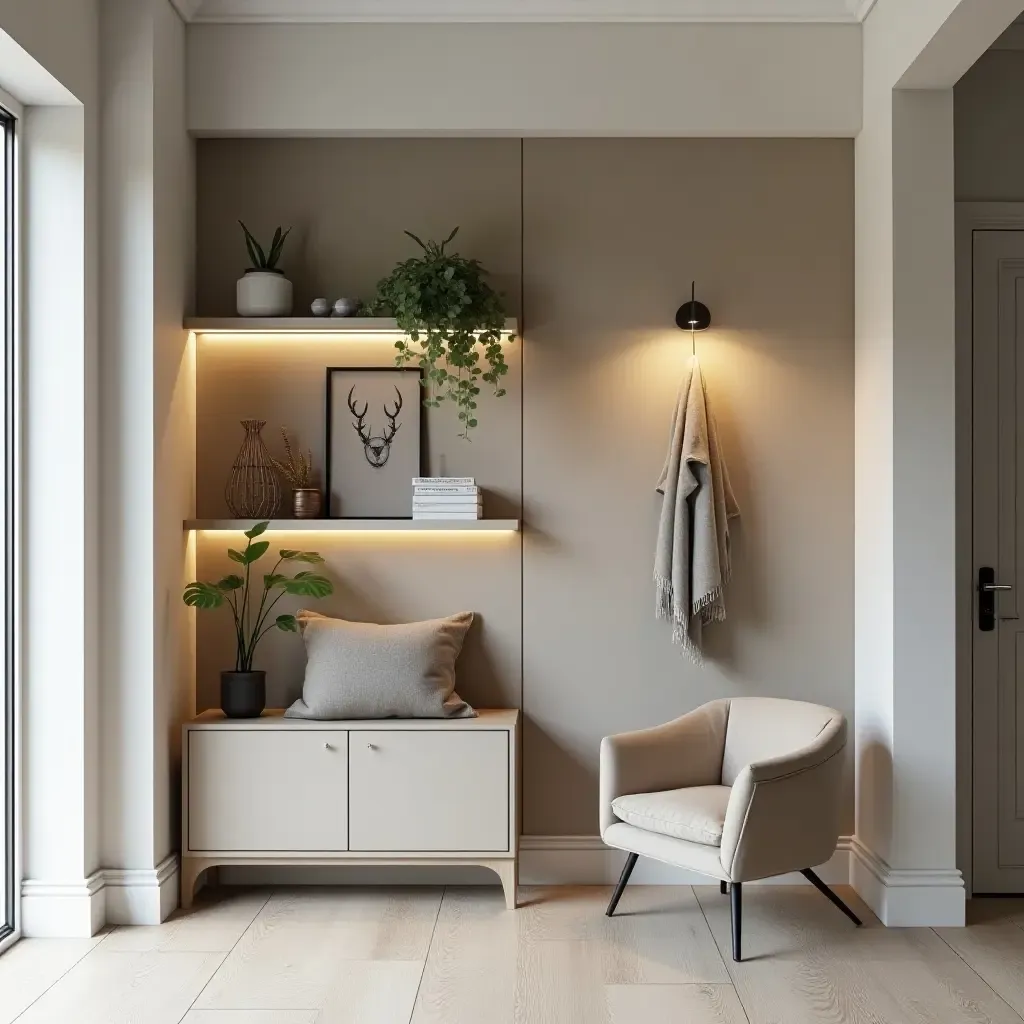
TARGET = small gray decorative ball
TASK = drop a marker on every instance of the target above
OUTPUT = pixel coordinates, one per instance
(320, 307)
(345, 307)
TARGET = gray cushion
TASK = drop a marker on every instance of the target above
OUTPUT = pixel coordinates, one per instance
(362, 670)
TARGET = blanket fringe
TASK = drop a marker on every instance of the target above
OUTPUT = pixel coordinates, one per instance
(665, 608)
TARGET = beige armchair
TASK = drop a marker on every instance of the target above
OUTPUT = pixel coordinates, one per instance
(738, 789)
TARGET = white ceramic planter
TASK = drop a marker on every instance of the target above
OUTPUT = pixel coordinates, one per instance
(263, 293)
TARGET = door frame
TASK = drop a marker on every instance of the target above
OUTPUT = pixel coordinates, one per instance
(969, 217)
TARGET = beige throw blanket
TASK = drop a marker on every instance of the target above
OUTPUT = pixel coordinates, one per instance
(691, 564)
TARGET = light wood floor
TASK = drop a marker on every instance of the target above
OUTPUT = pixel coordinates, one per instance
(456, 956)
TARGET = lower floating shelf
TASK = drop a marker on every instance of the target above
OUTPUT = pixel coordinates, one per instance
(361, 525)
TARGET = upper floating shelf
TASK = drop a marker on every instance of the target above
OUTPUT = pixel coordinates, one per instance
(361, 525)
(304, 325)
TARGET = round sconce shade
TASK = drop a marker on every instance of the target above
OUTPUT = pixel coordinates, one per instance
(693, 316)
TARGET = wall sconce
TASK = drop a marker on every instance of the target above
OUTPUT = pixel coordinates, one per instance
(693, 315)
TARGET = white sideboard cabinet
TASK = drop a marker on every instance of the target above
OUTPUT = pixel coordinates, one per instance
(281, 791)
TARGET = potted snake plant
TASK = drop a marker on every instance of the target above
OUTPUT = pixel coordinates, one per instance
(243, 690)
(263, 290)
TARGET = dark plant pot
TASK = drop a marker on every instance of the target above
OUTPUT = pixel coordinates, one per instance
(306, 503)
(243, 694)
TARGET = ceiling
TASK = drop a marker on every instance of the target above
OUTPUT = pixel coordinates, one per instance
(325, 11)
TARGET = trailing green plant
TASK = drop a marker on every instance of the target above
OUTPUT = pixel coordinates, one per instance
(252, 621)
(265, 260)
(296, 468)
(451, 316)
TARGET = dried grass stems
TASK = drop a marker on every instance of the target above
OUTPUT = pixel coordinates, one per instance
(296, 468)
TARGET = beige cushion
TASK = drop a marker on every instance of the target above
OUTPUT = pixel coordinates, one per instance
(696, 814)
(362, 670)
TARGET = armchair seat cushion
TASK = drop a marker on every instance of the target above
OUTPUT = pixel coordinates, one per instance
(696, 814)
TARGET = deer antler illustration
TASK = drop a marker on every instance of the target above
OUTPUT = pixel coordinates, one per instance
(376, 447)
(393, 427)
(364, 435)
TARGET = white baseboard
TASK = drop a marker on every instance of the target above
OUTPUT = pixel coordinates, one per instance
(586, 860)
(543, 860)
(109, 896)
(63, 909)
(908, 898)
(142, 896)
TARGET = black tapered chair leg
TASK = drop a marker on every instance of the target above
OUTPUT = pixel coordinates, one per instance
(736, 892)
(723, 888)
(627, 870)
(830, 895)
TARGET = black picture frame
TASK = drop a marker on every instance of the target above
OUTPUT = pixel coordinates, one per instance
(406, 373)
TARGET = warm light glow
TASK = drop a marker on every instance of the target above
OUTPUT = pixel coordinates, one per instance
(318, 337)
(292, 336)
(363, 528)
(487, 531)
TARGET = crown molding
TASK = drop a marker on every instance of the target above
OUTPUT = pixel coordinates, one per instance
(510, 11)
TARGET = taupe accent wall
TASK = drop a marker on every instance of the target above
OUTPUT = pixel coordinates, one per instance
(614, 231)
(348, 201)
(608, 234)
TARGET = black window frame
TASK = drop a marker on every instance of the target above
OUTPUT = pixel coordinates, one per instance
(8, 923)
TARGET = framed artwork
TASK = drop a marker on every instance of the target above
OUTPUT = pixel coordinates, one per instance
(374, 446)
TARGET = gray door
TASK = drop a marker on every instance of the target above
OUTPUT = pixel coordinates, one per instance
(998, 530)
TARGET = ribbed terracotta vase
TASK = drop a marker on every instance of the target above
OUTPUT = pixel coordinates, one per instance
(253, 490)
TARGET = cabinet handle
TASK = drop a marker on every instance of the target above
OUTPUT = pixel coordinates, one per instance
(327, 746)
(371, 746)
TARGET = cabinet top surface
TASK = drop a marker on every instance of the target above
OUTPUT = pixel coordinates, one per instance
(487, 718)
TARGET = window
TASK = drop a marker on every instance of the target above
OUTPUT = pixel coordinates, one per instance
(8, 377)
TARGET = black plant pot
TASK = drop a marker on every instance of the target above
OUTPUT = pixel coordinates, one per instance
(243, 694)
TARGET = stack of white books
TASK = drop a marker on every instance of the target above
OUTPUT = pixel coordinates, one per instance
(446, 497)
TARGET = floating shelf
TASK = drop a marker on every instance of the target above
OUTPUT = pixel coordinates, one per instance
(361, 525)
(303, 325)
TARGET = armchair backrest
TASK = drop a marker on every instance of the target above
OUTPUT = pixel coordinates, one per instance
(760, 728)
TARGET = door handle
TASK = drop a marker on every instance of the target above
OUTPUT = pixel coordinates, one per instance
(987, 590)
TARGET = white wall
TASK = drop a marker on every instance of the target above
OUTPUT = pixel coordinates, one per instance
(61, 36)
(174, 416)
(148, 443)
(905, 433)
(60, 341)
(80, 865)
(710, 80)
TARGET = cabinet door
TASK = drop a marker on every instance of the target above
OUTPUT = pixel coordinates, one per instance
(267, 790)
(429, 791)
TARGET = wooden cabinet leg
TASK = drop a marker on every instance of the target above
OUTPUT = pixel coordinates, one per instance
(191, 869)
(508, 872)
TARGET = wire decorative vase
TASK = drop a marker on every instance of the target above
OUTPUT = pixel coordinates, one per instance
(253, 490)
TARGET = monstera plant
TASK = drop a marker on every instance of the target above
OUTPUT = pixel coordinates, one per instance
(243, 691)
(451, 316)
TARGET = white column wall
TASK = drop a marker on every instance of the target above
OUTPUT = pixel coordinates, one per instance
(127, 417)
(873, 461)
(924, 655)
(906, 684)
(59, 679)
(148, 446)
(174, 418)
(55, 74)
